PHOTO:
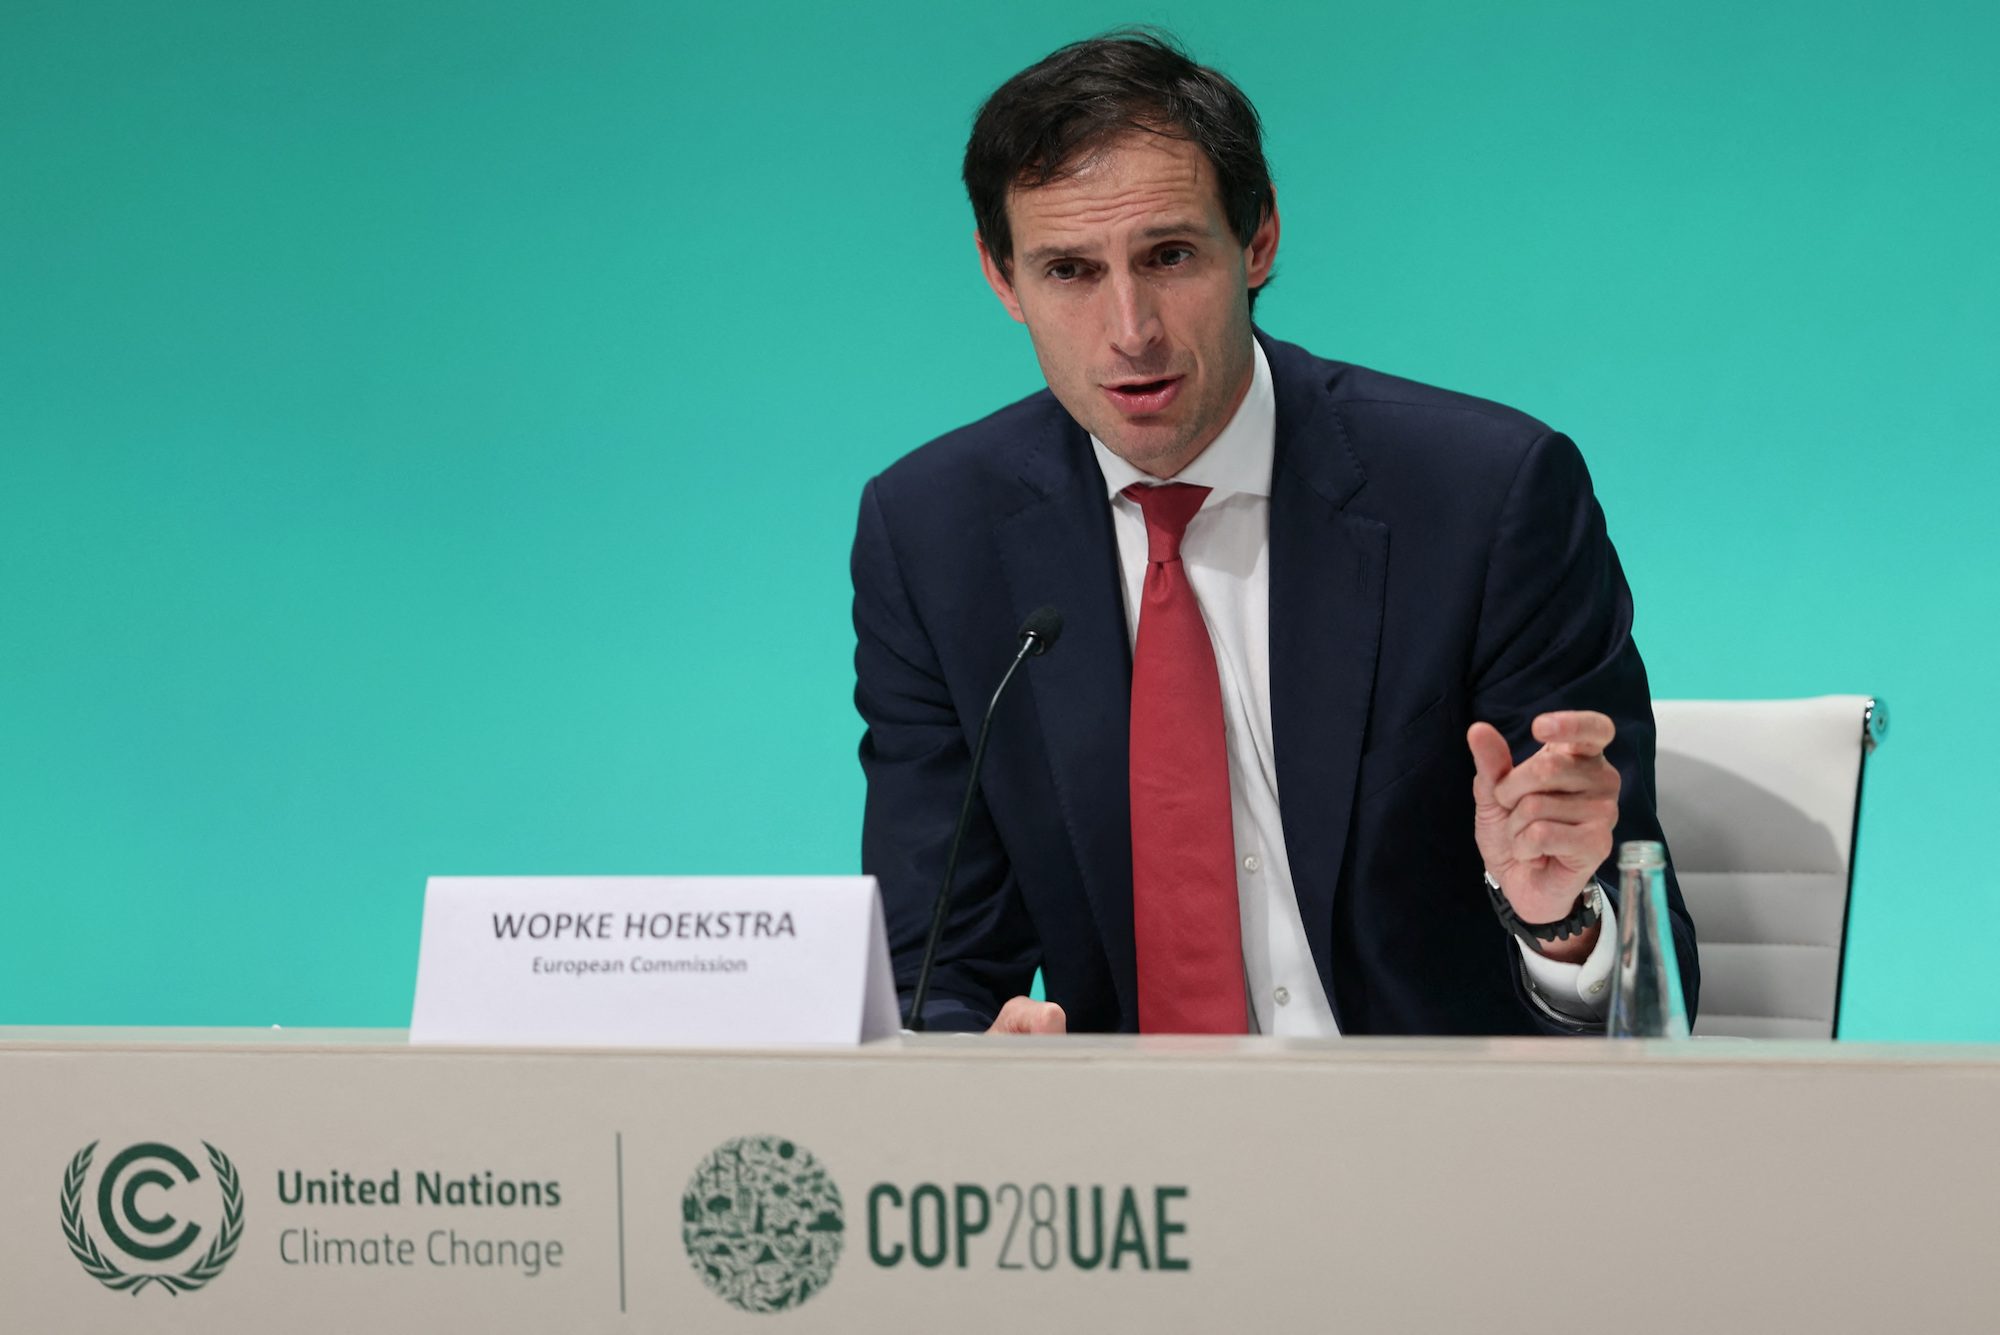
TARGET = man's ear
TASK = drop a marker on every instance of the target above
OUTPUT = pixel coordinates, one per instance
(997, 280)
(1262, 252)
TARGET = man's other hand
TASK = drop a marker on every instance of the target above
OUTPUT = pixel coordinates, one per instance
(1544, 826)
(1025, 1015)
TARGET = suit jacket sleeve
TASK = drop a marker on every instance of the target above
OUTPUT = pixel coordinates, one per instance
(916, 753)
(1555, 632)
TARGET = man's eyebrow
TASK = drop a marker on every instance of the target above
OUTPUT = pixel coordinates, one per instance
(1043, 254)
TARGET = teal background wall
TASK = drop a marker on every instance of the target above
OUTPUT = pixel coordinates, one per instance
(430, 433)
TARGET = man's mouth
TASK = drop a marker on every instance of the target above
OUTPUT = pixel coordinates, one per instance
(1142, 398)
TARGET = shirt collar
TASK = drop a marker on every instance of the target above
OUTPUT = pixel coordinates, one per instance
(1237, 461)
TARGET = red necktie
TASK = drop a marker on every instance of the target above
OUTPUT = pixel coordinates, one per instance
(1184, 907)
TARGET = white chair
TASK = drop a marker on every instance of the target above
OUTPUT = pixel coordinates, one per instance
(1760, 801)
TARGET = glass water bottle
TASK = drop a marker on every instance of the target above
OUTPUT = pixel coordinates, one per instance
(1646, 997)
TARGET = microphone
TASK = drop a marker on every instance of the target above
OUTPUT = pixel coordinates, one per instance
(1044, 627)
(1038, 634)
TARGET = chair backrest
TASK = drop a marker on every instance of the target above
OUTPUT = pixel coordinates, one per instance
(1760, 800)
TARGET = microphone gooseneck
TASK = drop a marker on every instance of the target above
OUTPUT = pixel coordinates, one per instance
(1038, 635)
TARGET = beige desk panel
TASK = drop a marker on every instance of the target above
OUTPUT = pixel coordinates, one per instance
(1364, 1185)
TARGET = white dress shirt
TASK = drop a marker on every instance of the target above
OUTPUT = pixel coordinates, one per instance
(1227, 555)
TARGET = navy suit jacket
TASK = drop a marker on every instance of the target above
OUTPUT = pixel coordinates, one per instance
(1434, 559)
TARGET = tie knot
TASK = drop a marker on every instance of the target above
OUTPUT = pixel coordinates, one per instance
(1168, 508)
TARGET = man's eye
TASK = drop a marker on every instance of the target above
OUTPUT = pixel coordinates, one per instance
(1173, 257)
(1064, 270)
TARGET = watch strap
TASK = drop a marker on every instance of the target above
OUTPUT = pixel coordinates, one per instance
(1585, 915)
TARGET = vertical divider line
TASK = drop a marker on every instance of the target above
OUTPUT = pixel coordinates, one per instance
(619, 1137)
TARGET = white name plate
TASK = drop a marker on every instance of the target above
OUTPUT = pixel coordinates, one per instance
(653, 961)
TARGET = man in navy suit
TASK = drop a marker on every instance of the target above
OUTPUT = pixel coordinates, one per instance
(1346, 717)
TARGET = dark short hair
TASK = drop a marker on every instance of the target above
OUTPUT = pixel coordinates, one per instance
(1045, 122)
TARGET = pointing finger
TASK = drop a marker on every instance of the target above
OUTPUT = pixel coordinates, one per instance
(1579, 732)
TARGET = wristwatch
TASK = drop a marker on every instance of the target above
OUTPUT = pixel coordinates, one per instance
(1588, 911)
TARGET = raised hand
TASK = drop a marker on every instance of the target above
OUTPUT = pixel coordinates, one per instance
(1544, 826)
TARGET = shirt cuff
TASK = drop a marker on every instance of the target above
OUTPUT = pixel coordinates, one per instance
(1580, 991)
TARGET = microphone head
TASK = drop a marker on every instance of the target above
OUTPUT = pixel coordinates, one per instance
(1044, 627)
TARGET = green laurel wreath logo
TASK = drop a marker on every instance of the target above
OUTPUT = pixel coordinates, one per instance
(104, 1271)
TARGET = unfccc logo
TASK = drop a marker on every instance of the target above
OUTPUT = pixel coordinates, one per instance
(136, 1199)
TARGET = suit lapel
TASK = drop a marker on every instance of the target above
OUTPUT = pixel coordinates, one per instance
(1328, 569)
(1058, 550)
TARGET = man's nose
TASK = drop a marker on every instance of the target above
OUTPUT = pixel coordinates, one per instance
(1135, 320)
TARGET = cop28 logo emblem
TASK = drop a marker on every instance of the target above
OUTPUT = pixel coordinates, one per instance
(763, 1223)
(145, 1229)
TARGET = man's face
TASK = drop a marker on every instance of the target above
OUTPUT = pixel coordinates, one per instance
(1136, 295)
